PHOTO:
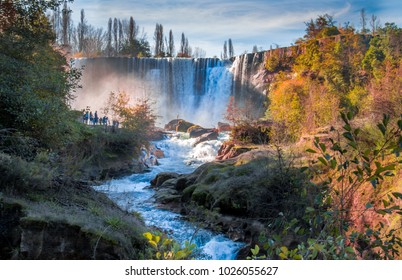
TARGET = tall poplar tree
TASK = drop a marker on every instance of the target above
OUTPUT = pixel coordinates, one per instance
(225, 51)
(66, 18)
(171, 44)
(121, 36)
(115, 36)
(82, 26)
(231, 49)
(109, 38)
(159, 43)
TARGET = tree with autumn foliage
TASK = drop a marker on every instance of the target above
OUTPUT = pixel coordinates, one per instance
(338, 69)
(137, 118)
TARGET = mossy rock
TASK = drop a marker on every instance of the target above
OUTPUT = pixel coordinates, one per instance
(169, 184)
(166, 196)
(193, 128)
(201, 195)
(187, 193)
(162, 177)
(181, 183)
(183, 126)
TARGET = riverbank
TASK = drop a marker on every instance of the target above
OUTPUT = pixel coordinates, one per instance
(49, 210)
(43, 216)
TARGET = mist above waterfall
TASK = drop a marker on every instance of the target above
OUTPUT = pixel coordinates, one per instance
(197, 90)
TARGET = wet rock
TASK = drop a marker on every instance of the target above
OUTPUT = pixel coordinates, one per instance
(167, 195)
(199, 131)
(171, 126)
(213, 135)
(151, 161)
(178, 125)
(149, 157)
(162, 177)
(159, 153)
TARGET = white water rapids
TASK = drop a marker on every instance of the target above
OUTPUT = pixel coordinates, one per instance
(132, 193)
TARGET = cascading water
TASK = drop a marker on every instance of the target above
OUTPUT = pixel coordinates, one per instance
(133, 193)
(196, 90)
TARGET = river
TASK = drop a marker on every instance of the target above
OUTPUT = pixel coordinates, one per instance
(132, 193)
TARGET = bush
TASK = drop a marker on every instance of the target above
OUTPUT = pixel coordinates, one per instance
(19, 175)
(250, 133)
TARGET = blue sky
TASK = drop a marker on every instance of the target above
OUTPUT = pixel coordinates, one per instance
(208, 23)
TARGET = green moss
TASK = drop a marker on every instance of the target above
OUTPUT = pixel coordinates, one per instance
(211, 178)
(201, 194)
(243, 171)
(183, 126)
(188, 192)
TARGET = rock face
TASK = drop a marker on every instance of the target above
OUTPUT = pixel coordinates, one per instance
(91, 227)
(58, 240)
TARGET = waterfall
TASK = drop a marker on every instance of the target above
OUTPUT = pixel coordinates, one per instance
(197, 90)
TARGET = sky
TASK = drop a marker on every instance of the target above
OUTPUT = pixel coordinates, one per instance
(209, 23)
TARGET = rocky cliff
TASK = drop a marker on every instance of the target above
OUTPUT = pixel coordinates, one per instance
(69, 222)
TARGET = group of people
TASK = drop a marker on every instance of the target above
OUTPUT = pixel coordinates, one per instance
(90, 118)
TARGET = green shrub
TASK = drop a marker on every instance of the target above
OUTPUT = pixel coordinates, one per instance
(19, 175)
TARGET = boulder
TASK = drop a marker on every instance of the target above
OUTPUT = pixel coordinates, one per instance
(199, 131)
(171, 126)
(156, 151)
(167, 195)
(178, 125)
(213, 135)
(183, 126)
(162, 177)
(230, 150)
